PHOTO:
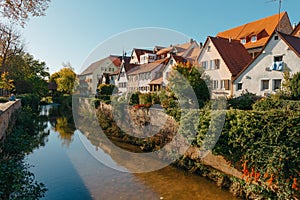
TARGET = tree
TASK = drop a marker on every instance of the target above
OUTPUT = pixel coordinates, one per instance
(29, 74)
(10, 44)
(185, 77)
(65, 80)
(290, 86)
(19, 11)
(6, 83)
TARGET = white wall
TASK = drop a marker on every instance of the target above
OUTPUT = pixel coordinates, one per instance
(222, 73)
(122, 79)
(147, 58)
(252, 77)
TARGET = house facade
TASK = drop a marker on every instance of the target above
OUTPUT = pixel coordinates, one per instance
(174, 60)
(90, 77)
(264, 75)
(139, 78)
(122, 78)
(137, 53)
(222, 59)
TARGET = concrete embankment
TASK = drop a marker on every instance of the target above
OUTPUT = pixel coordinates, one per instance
(7, 114)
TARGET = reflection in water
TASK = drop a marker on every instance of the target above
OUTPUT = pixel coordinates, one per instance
(70, 172)
(62, 121)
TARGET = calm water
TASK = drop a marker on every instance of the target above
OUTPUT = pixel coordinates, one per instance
(70, 172)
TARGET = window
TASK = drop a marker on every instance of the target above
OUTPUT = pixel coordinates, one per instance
(171, 62)
(264, 84)
(204, 64)
(243, 40)
(225, 84)
(254, 38)
(276, 84)
(217, 63)
(215, 84)
(239, 86)
(276, 37)
(212, 64)
(278, 58)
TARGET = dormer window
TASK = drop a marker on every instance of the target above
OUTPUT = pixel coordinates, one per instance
(254, 38)
(243, 40)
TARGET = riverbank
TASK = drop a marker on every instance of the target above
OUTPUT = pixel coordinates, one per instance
(251, 132)
(7, 116)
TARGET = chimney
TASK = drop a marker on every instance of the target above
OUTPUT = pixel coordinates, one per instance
(201, 45)
(191, 40)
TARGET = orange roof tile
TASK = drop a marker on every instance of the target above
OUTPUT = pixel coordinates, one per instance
(267, 24)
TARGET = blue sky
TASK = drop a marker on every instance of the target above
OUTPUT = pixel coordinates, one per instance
(72, 29)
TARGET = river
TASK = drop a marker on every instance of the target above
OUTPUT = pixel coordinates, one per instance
(69, 171)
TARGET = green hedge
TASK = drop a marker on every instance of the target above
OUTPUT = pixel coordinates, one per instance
(265, 146)
(272, 103)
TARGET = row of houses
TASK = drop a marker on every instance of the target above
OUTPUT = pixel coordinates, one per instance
(251, 57)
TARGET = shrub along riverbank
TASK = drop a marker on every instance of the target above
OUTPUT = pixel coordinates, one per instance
(263, 144)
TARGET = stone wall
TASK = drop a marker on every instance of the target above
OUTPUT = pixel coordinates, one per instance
(7, 111)
(167, 127)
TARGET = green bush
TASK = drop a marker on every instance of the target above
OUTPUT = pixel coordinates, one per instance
(104, 92)
(3, 100)
(295, 86)
(30, 100)
(269, 103)
(265, 146)
(243, 102)
(145, 98)
(134, 98)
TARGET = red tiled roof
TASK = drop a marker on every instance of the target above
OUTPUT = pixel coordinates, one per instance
(267, 24)
(292, 41)
(233, 53)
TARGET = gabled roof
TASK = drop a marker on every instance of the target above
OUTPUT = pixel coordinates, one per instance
(148, 67)
(233, 53)
(179, 48)
(140, 52)
(115, 60)
(179, 59)
(292, 41)
(268, 25)
(296, 30)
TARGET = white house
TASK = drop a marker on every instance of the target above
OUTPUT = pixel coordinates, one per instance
(89, 78)
(174, 60)
(264, 74)
(140, 77)
(222, 59)
(122, 78)
(137, 53)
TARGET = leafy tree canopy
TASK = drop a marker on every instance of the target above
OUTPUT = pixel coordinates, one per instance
(65, 80)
